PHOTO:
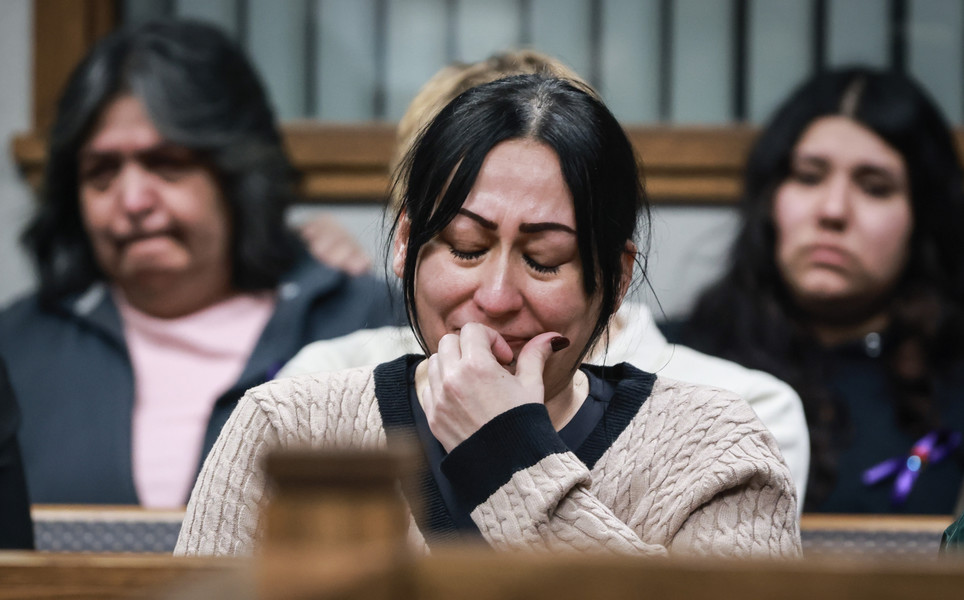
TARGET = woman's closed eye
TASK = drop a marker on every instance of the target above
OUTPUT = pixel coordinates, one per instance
(170, 162)
(807, 176)
(170, 168)
(466, 254)
(878, 189)
(99, 172)
(539, 267)
(469, 255)
(878, 184)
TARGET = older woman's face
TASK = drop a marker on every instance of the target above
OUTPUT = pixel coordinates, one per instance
(843, 217)
(509, 259)
(152, 211)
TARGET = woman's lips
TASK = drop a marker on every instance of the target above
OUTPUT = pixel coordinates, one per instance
(516, 342)
(828, 255)
(513, 340)
(143, 237)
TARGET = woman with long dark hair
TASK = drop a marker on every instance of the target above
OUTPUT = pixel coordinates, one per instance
(846, 281)
(515, 240)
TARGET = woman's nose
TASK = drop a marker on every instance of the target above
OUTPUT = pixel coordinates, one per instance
(834, 205)
(135, 190)
(498, 292)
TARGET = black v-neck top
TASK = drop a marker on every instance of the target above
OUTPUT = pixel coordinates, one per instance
(450, 486)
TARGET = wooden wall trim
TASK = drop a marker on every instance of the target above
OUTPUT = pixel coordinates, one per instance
(935, 524)
(350, 163)
(64, 30)
(692, 164)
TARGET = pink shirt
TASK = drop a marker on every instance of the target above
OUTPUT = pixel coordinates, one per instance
(181, 366)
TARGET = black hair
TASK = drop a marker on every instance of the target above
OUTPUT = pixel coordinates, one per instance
(200, 92)
(749, 315)
(597, 160)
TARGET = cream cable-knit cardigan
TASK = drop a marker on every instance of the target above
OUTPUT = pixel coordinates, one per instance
(693, 471)
(636, 340)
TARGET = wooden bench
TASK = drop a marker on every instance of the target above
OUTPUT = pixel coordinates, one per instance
(42, 576)
(471, 574)
(336, 528)
(484, 575)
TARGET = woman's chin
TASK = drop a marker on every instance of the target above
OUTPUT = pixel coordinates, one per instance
(841, 308)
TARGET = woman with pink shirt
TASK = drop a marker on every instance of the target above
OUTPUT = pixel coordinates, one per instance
(168, 280)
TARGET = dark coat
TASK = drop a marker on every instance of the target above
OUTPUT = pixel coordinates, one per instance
(72, 374)
(16, 529)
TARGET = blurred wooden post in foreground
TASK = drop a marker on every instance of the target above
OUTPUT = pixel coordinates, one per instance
(336, 521)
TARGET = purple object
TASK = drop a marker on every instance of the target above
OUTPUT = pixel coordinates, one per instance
(930, 449)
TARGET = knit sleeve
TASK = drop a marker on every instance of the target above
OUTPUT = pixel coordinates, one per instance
(695, 472)
(222, 514)
(551, 506)
(723, 487)
(327, 410)
(530, 492)
(743, 503)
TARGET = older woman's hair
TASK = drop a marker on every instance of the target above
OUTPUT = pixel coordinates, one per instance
(763, 327)
(597, 161)
(200, 92)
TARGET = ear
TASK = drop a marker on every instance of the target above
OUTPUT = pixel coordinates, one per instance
(400, 245)
(629, 263)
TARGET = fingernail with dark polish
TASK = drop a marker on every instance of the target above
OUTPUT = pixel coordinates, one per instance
(559, 342)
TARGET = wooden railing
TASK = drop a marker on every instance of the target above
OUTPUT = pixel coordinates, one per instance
(472, 574)
(364, 555)
(40, 576)
(350, 163)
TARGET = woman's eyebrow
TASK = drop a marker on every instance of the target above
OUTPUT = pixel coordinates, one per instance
(545, 226)
(809, 159)
(524, 227)
(479, 219)
(164, 149)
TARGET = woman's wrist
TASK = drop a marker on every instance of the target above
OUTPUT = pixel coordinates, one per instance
(513, 441)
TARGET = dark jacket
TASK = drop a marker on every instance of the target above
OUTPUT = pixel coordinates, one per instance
(16, 529)
(860, 381)
(72, 374)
